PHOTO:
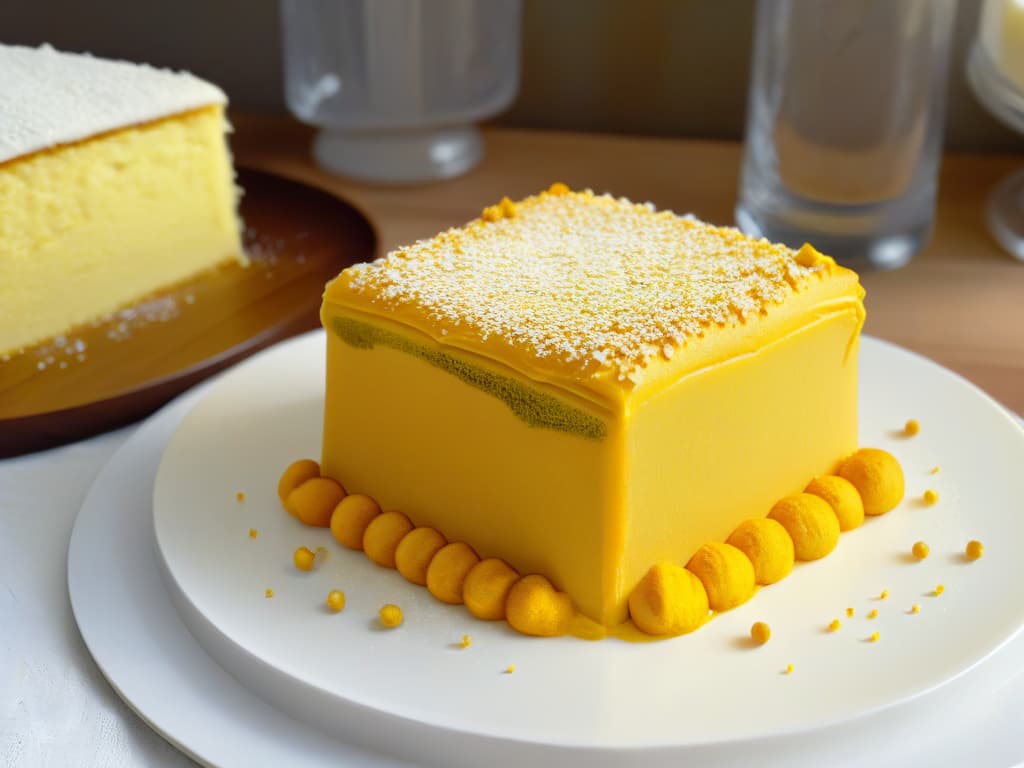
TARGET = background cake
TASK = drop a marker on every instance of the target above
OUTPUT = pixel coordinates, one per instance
(115, 182)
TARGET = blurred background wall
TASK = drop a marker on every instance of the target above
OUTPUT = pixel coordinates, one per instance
(656, 67)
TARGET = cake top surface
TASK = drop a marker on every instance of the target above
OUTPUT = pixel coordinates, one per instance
(591, 283)
(49, 98)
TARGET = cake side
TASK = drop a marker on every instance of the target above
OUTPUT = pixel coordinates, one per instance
(50, 98)
(98, 224)
(598, 295)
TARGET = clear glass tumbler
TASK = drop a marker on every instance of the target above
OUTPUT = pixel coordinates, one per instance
(844, 126)
(396, 86)
(995, 70)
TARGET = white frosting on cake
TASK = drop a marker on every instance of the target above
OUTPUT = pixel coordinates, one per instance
(48, 97)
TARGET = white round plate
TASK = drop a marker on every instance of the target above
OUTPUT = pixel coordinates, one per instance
(416, 694)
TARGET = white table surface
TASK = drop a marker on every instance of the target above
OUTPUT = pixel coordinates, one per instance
(56, 709)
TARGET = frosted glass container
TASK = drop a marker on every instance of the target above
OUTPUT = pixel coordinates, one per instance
(397, 86)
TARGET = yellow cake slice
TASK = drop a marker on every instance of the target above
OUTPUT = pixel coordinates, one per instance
(115, 182)
(584, 387)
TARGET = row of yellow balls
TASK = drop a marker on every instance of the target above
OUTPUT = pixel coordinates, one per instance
(673, 600)
(451, 571)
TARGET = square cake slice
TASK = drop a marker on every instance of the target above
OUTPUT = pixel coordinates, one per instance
(583, 386)
(115, 182)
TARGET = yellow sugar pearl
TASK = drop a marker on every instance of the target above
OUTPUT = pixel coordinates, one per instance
(934, 471)
(939, 589)
(975, 549)
(726, 573)
(874, 637)
(930, 497)
(253, 533)
(295, 475)
(789, 669)
(304, 558)
(240, 497)
(878, 478)
(920, 550)
(466, 641)
(849, 612)
(873, 613)
(915, 608)
(884, 595)
(510, 669)
(391, 616)
(558, 188)
(760, 632)
(810, 523)
(834, 625)
(669, 600)
(269, 593)
(912, 427)
(335, 600)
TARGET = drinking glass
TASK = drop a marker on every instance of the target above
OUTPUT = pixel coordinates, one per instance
(844, 126)
(995, 70)
(396, 86)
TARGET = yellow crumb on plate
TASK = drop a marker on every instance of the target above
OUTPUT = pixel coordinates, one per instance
(930, 497)
(240, 496)
(510, 669)
(269, 593)
(884, 595)
(760, 632)
(974, 550)
(920, 550)
(466, 641)
(253, 533)
(849, 612)
(915, 608)
(335, 600)
(873, 638)
(939, 589)
(391, 616)
(834, 625)
(788, 670)
(912, 427)
(304, 558)
(934, 470)
(873, 613)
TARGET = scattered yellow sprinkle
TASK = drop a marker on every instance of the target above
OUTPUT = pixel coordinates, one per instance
(253, 533)
(849, 612)
(834, 625)
(874, 637)
(466, 641)
(240, 496)
(269, 593)
(390, 615)
(873, 613)
(931, 496)
(336, 600)
(939, 589)
(760, 632)
(510, 669)
(915, 608)
(884, 595)
(934, 471)
(920, 550)
(975, 549)
(304, 558)
(912, 427)
(789, 669)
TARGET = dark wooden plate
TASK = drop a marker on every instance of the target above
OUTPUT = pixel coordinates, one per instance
(116, 371)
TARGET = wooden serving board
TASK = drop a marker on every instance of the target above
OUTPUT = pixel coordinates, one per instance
(115, 371)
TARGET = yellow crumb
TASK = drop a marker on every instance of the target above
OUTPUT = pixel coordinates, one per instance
(873, 613)
(931, 496)
(975, 549)
(390, 616)
(253, 533)
(912, 427)
(920, 550)
(915, 608)
(466, 641)
(510, 669)
(269, 593)
(240, 496)
(884, 595)
(760, 632)
(335, 600)
(849, 612)
(834, 625)
(558, 188)
(934, 471)
(304, 558)
(789, 669)
(939, 589)
(874, 637)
